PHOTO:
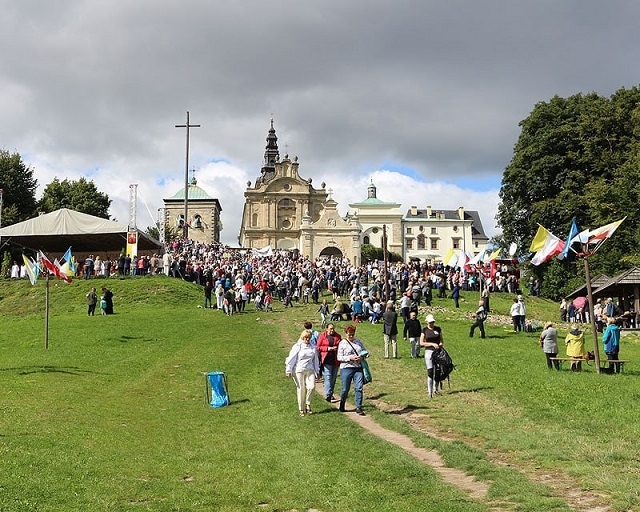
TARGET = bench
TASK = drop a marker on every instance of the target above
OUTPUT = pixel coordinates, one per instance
(572, 359)
(604, 363)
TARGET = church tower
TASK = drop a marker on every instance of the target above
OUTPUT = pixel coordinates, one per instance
(285, 211)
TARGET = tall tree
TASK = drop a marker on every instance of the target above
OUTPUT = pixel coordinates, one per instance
(19, 189)
(576, 157)
(81, 195)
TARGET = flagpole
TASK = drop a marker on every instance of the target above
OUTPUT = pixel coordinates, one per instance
(596, 350)
(46, 314)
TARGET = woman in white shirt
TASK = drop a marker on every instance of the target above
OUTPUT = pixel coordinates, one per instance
(303, 365)
(351, 351)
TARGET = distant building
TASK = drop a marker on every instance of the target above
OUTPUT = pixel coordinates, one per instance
(429, 234)
(203, 213)
(284, 211)
(372, 215)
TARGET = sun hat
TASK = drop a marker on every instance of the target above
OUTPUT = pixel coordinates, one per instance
(430, 319)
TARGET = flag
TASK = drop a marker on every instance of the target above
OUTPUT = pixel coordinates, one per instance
(69, 263)
(478, 258)
(539, 240)
(573, 233)
(30, 267)
(495, 254)
(512, 249)
(453, 260)
(53, 268)
(604, 232)
(552, 246)
(447, 257)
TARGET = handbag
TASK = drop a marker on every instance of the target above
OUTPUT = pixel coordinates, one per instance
(366, 372)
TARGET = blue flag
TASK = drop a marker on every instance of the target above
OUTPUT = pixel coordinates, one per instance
(573, 232)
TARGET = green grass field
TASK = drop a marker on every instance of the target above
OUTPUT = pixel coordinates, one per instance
(112, 415)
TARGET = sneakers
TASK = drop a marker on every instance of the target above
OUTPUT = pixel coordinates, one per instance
(301, 413)
(309, 411)
(360, 411)
(328, 398)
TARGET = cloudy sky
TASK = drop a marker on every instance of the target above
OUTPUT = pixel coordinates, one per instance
(423, 97)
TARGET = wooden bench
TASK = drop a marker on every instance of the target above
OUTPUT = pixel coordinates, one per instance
(604, 363)
(572, 359)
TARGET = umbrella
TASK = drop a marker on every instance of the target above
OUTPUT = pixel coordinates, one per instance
(579, 302)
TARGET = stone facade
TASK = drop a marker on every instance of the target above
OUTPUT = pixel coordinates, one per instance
(430, 234)
(203, 213)
(285, 211)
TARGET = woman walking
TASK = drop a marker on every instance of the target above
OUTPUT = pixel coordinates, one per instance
(351, 352)
(302, 364)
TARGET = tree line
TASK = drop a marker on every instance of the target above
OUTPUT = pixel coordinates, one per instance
(19, 186)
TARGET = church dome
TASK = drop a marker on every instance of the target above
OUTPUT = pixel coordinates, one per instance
(195, 192)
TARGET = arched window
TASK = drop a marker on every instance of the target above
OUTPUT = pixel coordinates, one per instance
(365, 240)
(286, 203)
(254, 220)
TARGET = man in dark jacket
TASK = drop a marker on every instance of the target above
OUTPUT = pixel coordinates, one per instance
(390, 330)
(412, 330)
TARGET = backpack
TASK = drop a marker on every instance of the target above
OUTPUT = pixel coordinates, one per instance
(442, 364)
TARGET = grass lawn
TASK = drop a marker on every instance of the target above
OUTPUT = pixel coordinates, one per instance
(112, 416)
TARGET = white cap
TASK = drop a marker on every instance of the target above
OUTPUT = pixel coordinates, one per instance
(430, 319)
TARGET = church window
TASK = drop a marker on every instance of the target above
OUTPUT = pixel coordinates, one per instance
(409, 243)
(456, 243)
(375, 230)
(434, 244)
(286, 203)
(366, 240)
(254, 220)
(421, 241)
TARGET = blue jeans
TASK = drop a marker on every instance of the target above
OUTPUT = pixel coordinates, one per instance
(330, 373)
(346, 376)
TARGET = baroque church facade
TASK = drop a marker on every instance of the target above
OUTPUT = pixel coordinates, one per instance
(285, 211)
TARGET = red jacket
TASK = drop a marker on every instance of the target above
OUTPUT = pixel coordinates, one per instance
(323, 345)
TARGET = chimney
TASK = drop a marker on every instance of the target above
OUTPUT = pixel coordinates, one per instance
(414, 211)
(428, 212)
(461, 212)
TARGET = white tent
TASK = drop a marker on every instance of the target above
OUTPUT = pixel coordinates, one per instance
(56, 231)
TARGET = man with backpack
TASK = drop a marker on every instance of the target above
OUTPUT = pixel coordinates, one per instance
(481, 316)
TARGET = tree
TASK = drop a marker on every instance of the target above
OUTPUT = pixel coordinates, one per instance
(576, 157)
(81, 195)
(19, 189)
(170, 232)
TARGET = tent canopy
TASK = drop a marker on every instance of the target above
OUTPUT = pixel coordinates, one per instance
(56, 231)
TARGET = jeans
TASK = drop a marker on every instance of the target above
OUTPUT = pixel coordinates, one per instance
(613, 367)
(346, 376)
(330, 373)
(415, 347)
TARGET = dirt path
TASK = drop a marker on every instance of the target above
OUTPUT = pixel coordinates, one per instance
(563, 486)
